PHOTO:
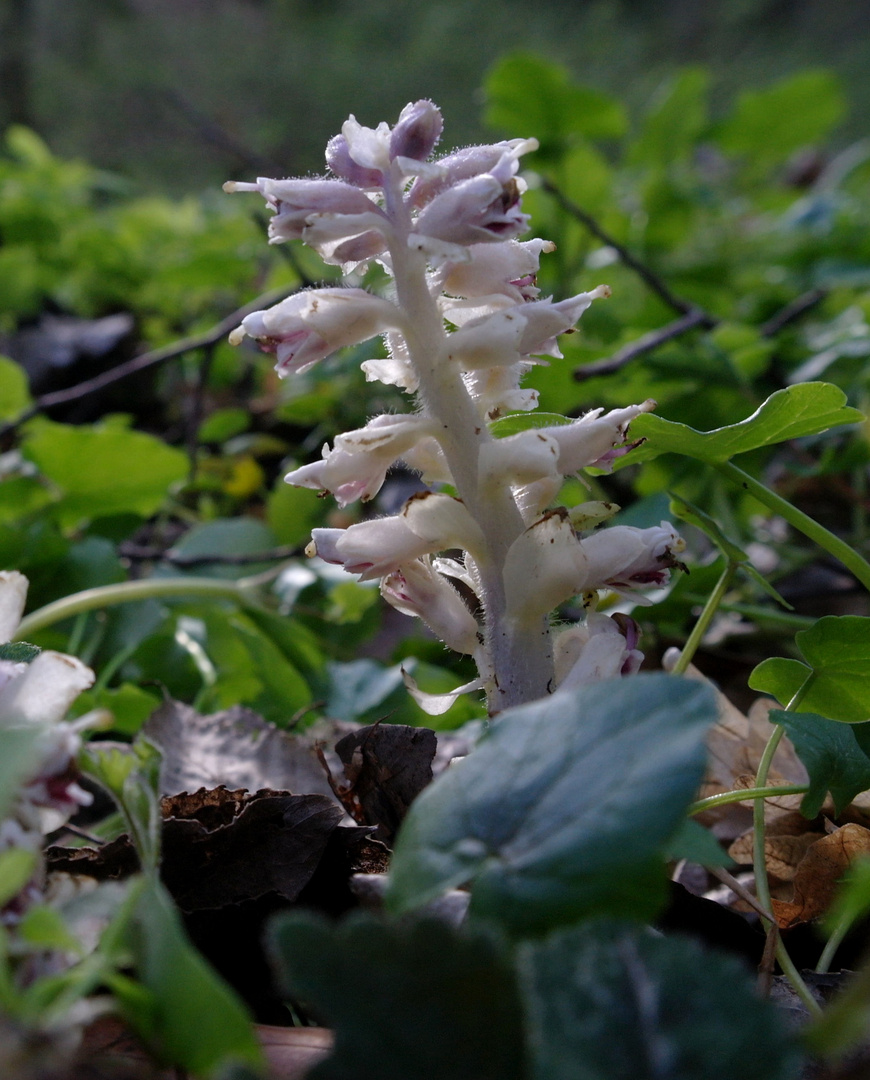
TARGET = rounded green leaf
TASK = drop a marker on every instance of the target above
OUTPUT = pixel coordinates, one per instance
(563, 809)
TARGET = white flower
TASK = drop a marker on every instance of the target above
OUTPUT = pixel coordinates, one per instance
(600, 648)
(415, 588)
(310, 325)
(357, 465)
(428, 523)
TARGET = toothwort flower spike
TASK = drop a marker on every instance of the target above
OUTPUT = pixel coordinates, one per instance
(446, 231)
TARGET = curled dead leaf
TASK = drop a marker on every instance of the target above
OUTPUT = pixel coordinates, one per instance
(825, 862)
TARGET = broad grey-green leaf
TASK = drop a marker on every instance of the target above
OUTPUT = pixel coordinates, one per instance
(806, 409)
(564, 808)
(407, 1002)
(609, 1000)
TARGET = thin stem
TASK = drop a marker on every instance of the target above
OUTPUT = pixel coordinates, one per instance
(832, 944)
(128, 591)
(744, 795)
(759, 856)
(705, 618)
(801, 521)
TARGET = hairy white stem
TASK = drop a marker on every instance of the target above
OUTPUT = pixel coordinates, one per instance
(521, 654)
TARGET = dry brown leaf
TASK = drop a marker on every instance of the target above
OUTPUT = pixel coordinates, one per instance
(815, 879)
(782, 853)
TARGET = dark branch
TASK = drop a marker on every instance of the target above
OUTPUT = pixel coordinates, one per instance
(148, 359)
(683, 307)
(645, 344)
(792, 311)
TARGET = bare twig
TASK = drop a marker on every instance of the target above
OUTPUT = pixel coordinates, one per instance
(142, 553)
(792, 311)
(682, 307)
(645, 344)
(148, 359)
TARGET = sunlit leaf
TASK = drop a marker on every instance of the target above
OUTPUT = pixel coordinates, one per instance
(806, 409)
(837, 654)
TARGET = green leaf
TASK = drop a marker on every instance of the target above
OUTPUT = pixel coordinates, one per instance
(832, 755)
(563, 808)
(360, 685)
(16, 869)
(678, 116)
(805, 409)
(129, 704)
(19, 652)
(796, 112)
(19, 756)
(837, 654)
(104, 469)
(14, 389)
(514, 423)
(733, 552)
(195, 1020)
(43, 927)
(610, 1000)
(226, 536)
(223, 424)
(697, 844)
(529, 95)
(406, 1001)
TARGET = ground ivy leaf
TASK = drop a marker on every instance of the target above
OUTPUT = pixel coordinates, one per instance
(805, 409)
(832, 755)
(407, 1001)
(836, 650)
(564, 807)
(611, 1000)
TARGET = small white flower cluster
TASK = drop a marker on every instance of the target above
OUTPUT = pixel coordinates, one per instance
(36, 696)
(463, 324)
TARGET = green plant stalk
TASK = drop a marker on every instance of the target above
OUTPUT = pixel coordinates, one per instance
(705, 618)
(104, 596)
(800, 521)
(762, 886)
(832, 944)
(726, 797)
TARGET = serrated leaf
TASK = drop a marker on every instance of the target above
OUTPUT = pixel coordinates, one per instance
(407, 1002)
(610, 1000)
(837, 654)
(564, 807)
(833, 757)
(806, 409)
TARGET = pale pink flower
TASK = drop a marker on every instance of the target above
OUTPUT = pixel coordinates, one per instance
(464, 164)
(310, 325)
(602, 647)
(356, 466)
(415, 588)
(417, 131)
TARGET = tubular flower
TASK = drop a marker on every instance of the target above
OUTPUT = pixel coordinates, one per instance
(463, 325)
(309, 325)
(35, 697)
(601, 648)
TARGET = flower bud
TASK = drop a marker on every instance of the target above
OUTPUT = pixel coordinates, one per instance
(342, 165)
(601, 648)
(417, 131)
